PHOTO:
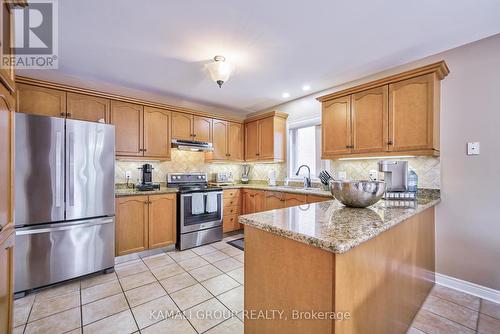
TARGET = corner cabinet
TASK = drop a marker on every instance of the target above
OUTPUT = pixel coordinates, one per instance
(265, 137)
(398, 115)
(145, 222)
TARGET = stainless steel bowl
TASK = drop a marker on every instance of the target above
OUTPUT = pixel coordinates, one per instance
(357, 194)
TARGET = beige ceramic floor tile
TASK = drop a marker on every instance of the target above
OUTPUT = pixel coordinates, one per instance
(134, 281)
(57, 304)
(167, 271)
(126, 258)
(490, 308)
(158, 260)
(18, 330)
(240, 258)
(149, 313)
(413, 330)
(463, 315)
(232, 251)
(57, 290)
(22, 308)
(220, 284)
(228, 264)
(144, 294)
(238, 275)
(174, 326)
(130, 269)
(233, 299)
(220, 245)
(75, 331)
(457, 297)
(488, 325)
(205, 272)
(181, 255)
(57, 323)
(215, 256)
(190, 296)
(215, 313)
(178, 282)
(98, 279)
(230, 326)
(204, 250)
(122, 323)
(103, 308)
(100, 291)
(193, 263)
(431, 323)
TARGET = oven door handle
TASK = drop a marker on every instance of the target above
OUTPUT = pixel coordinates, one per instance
(204, 193)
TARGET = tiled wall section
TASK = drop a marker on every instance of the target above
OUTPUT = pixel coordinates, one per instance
(428, 169)
(185, 161)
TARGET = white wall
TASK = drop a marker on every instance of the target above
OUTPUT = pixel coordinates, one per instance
(468, 219)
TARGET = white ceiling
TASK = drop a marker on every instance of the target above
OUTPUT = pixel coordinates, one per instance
(159, 47)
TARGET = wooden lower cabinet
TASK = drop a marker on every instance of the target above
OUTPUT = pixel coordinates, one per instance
(253, 200)
(274, 200)
(295, 199)
(144, 222)
(6, 279)
(316, 199)
(231, 210)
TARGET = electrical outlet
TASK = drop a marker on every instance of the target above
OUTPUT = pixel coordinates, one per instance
(128, 174)
(373, 174)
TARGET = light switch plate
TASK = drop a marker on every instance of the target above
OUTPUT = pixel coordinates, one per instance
(128, 174)
(473, 148)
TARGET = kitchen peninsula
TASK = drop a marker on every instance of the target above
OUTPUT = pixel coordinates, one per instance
(376, 264)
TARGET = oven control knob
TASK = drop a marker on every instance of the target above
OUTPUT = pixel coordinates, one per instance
(199, 177)
(203, 177)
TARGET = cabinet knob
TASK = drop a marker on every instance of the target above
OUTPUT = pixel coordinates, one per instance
(389, 142)
(257, 153)
(194, 135)
(68, 114)
(62, 114)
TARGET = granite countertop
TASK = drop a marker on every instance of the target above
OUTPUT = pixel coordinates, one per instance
(120, 191)
(333, 227)
(286, 189)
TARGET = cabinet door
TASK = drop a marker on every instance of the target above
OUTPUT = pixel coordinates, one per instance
(274, 200)
(7, 74)
(202, 129)
(411, 107)
(87, 108)
(251, 141)
(157, 133)
(266, 138)
(127, 118)
(249, 201)
(182, 126)
(6, 163)
(220, 143)
(336, 127)
(316, 199)
(235, 141)
(295, 199)
(370, 117)
(41, 101)
(260, 200)
(6, 280)
(131, 224)
(162, 220)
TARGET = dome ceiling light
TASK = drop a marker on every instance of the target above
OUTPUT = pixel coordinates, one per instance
(219, 70)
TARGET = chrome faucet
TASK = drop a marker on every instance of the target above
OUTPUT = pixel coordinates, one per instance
(307, 179)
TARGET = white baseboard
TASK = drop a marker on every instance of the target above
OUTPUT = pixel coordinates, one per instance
(468, 287)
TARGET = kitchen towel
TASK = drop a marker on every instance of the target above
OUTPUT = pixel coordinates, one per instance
(211, 202)
(197, 203)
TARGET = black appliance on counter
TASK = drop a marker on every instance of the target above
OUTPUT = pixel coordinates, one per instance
(147, 179)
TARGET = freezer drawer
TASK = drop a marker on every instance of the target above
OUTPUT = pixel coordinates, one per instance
(52, 253)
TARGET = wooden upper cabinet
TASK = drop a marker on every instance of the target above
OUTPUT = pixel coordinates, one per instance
(202, 129)
(182, 126)
(157, 140)
(220, 141)
(41, 101)
(370, 120)
(252, 141)
(266, 138)
(128, 121)
(413, 124)
(162, 220)
(234, 141)
(87, 108)
(336, 127)
(7, 74)
(6, 157)
(131, 224)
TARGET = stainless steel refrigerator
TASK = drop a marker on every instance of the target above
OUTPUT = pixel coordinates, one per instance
(64, 199)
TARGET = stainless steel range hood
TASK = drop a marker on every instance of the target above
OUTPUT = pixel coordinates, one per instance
(191, 145)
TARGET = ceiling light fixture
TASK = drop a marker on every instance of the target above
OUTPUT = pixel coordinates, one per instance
(219, 70)
(285, 95)
(306, 87)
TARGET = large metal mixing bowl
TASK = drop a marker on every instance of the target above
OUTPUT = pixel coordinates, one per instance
(357, 194)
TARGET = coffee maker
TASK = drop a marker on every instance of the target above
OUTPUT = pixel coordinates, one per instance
(396, 179)
(147, 179)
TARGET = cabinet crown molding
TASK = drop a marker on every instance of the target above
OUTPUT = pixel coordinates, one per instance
(274, 113)
(440, 68)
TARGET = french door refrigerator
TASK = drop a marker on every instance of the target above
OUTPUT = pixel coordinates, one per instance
(64, 199)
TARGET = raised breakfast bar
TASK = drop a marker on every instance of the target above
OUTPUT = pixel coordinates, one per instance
(326, 268)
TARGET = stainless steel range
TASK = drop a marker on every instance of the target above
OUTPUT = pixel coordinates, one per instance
(199, 210)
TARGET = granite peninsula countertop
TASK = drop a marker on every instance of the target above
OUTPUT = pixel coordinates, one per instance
(333, 227)
(121, 192)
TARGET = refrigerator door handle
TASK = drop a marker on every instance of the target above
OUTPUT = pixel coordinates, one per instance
(58, 167)
(61, 228)
(71, 168)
